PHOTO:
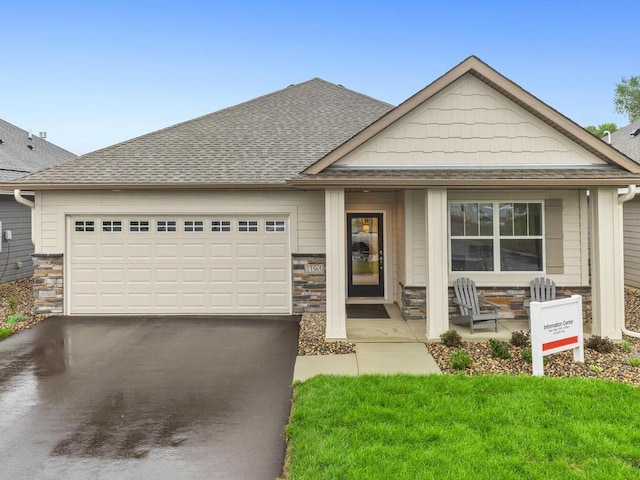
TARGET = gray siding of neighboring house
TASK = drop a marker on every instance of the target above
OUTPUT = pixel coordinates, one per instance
(632, 243)
(17, 218)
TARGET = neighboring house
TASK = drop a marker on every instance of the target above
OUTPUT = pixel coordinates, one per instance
(20, 153)
(240, 211)
(627, 140)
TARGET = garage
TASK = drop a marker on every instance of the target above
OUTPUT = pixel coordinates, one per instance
(228, 264)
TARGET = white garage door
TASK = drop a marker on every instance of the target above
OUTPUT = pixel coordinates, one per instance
(179, 265)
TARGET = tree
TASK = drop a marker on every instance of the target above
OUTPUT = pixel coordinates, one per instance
(600, 129)
(627, 98)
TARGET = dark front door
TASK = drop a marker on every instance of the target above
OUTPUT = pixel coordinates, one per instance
(365, 255)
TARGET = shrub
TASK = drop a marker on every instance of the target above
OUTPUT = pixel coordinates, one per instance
(595, 369)
(626, 346)
(633, 361)
(460, 360)
(526, 355)
(599, 344)
(519, 338)
(5, 332)
(13, 300)
(16, 318)
(451, 338)
(499, 349)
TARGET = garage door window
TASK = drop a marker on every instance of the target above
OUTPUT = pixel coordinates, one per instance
(248, 226)
(111, 226)
(193, 226)
(85, 226)
(274, 226)
(138, 226)
(220, 226)
(166, 226)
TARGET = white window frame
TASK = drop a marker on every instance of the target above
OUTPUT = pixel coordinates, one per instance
(166, 226)
(275, 226)
(497, 237)
(112, 226)
(84, 226)
(193, 226)
(248, 226)
(221, 226)
(139, 226)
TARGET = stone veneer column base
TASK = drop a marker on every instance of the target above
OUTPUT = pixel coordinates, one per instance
(48, 283)
(309, 283)
(413, 302)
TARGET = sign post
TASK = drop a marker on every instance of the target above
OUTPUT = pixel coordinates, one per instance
(556, 326)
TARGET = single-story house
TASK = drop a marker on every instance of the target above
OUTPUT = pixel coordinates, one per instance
(316, 196)
(627, 141)
(21, 153)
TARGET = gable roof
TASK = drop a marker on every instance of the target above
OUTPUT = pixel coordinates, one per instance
(503, 85)
(263, 141)
(627, 143)
(21, 153)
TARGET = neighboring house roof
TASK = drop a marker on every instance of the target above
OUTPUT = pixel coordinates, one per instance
(22, 153)
(628, 143)
(263, 141)
(476, 67)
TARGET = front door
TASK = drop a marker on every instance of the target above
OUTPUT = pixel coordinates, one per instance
(365, 255)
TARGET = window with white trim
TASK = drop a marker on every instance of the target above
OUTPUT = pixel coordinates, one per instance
(84, 226)
(496, 236)
(220, 226)
(111, 226)
(247, 226)
(193, 226)
(166, 226)
(274, 226)
(138, 225)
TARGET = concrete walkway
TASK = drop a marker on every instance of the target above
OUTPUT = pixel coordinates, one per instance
(370, 358)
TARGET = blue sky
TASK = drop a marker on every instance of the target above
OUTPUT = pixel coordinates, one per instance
(93, 74)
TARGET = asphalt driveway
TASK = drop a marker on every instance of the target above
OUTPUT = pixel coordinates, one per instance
(146, 398)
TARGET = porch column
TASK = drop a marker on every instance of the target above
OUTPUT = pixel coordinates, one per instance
(335, 238)
(437, 262)
(607, 263)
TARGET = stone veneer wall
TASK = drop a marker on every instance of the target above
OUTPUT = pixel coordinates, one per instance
(309, 283)
(413, 302)
(48, 284)
(511, 300)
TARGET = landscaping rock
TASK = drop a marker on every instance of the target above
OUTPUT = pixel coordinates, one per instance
(311, 339)
(20, 292)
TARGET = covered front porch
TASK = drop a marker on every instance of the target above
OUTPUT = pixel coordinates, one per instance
(418, 259)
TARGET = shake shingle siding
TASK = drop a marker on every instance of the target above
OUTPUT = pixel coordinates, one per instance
(17, 218)
(263, 141)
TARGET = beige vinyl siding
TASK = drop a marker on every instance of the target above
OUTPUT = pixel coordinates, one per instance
(469, 124)
(305, 210)
(632, 243)
(418, 235)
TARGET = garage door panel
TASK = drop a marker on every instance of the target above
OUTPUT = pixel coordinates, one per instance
(179, 272)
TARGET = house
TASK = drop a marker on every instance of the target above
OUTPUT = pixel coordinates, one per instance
(315, 196)
(20, 153)
(627, 140)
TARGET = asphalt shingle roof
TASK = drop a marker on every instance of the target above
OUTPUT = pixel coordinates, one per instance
(626, 143)
(18, 159)
(263, 141)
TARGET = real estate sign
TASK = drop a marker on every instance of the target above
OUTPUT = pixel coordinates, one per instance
(556, 326)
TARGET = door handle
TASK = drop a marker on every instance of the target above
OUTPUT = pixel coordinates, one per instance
(381, 259)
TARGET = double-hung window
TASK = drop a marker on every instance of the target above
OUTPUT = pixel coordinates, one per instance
(496, 236)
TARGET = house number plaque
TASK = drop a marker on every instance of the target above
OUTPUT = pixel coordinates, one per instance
(313, 268)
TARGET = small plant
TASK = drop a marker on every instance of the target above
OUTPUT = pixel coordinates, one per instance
(460, 360)
(16, 318)
(633, 361)
(5, 332)
(595, 369)
(451, 338)
(519, 338)
(499, 349)
(526, 355)
(599, 344)
(625, 346)
(13, 300)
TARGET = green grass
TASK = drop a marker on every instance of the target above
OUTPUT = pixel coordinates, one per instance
(457, 427)
(5, 332)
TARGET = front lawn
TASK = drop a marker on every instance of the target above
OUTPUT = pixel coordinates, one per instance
(457, 427)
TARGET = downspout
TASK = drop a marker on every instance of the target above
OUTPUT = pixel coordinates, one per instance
(17, 194)
(621, 200)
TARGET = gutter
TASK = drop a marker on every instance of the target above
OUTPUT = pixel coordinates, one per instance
(621, 200)
(17, 194)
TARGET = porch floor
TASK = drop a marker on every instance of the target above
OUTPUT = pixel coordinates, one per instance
(398, 330)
